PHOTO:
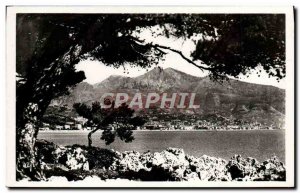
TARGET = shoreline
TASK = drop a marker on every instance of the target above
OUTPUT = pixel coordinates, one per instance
(87, 131)
(170, 164)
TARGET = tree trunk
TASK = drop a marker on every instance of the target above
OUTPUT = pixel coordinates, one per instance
(27, 165)
(90, 141)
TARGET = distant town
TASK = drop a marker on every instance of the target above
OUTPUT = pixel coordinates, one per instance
(164, 121)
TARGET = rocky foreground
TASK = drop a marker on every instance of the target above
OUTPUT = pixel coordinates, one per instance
(81, 163)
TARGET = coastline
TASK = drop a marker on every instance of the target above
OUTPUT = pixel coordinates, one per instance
(79, 162)
(87, 131)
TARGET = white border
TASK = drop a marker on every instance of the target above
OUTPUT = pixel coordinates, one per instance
(11, 85)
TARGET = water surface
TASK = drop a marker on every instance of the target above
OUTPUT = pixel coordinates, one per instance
(260, 144)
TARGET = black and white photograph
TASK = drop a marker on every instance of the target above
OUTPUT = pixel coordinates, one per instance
(150, 97)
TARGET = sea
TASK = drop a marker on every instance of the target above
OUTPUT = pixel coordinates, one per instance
(259, 144)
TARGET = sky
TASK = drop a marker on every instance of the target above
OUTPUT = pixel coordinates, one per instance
(96, 72)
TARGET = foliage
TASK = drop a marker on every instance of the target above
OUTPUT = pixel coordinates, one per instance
(244, 42)
(120, 118)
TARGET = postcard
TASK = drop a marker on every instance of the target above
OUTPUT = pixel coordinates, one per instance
(137, 96)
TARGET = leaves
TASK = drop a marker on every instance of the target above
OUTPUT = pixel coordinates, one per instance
(116, 121)
(108, 136)
(125, 134)
(243, 43)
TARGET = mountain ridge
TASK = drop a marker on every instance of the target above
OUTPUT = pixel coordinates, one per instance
(213, 97)
(174, 70)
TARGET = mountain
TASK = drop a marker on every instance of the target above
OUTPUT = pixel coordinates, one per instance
(233, 98)
(157, 79)
(81, 93)
(114, 82)
(163, 80)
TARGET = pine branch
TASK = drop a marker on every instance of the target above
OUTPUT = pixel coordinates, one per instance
(157, 46)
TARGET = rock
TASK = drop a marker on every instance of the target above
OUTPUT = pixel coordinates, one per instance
(208, 168)
(223, 176)
(235, 170)
(146, 160)
(178, 174)
(250, 169)
(59, 154)
(75, 158)
(240, 167)
(172, 158)
(271, 169)
(177, 152)
(130, 162)
(158, 159)
(204, 175)
(172, 161)
(77, 162)
(170, 164)
(85, 166)
(192, 177)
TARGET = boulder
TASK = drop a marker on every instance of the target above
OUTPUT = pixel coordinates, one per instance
(146, 160)
(130, 161)
(170, 159)
(76, 158)
(193, 176)
(208, 168)
(240, 167)
(249, 169)
(204, 175)
(271, 169)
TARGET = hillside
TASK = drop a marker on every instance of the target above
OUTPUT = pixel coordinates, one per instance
(233, 98)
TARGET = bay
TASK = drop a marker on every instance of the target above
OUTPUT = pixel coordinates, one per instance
(259, 144)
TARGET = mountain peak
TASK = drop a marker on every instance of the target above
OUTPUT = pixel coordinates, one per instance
(156, 69)
(159, 69)
(172, 70)
(115, 76)
(169, 69)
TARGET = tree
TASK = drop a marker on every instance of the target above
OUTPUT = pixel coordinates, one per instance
(242, 43)
(233, 44)
(121, 118)
(48, 48)
(50, 45)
